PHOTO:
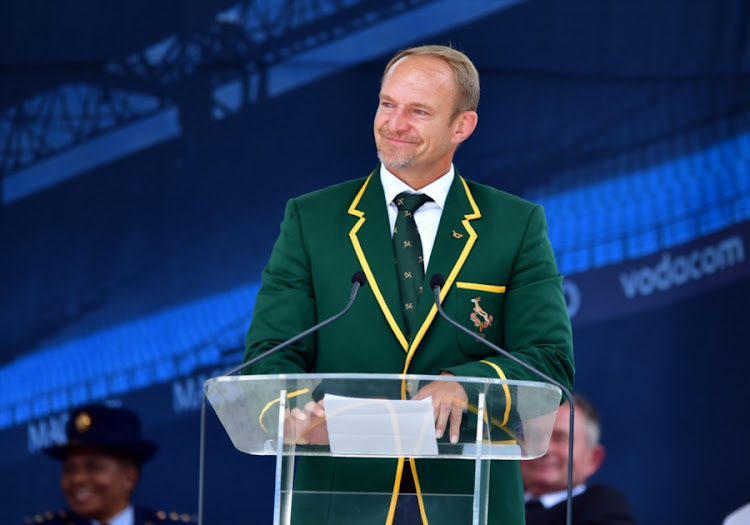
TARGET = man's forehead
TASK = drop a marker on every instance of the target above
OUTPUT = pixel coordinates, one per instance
(416, 66)
(421, 84)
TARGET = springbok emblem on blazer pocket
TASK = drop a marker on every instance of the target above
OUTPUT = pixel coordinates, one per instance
(479, 317)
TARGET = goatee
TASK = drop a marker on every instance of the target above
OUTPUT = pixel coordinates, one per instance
(395, 162)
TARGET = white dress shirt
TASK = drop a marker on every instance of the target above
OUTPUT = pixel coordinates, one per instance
(553, 498)
(428, 215)
(126, 517)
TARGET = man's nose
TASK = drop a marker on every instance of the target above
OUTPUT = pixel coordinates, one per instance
(398, 121)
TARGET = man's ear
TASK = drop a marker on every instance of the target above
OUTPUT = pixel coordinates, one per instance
(597, 458)
(466, 123)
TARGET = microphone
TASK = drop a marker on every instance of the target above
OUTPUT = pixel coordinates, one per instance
(358, 281)
(436, 283)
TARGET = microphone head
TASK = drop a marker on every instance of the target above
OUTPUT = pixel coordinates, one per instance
(436, 280)
(359, 277)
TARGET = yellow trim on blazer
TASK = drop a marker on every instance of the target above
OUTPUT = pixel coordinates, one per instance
(481, 287)
(422, 511)
(366, 267)
(397, 486)
(395, 492)
(496, 422)
(500, 372)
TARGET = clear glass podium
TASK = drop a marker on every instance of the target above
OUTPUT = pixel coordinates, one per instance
(374, 416)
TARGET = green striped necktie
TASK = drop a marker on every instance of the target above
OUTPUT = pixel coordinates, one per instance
(407, 247)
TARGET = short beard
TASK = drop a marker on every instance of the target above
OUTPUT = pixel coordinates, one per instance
(395, 163)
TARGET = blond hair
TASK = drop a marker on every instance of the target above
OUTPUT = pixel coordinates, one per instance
(465, 74)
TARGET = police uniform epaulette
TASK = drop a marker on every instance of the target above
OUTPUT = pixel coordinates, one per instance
(48, 518)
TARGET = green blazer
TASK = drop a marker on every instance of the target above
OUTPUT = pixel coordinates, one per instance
(489, 245)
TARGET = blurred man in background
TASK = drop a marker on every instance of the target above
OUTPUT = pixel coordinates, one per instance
(546, 478)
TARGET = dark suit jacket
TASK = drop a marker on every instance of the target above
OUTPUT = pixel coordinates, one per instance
(141, 516)
(597, 505)
(489, 245)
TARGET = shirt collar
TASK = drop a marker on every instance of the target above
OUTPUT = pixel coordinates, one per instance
(126, 517)
(553, 498)
(437, 191)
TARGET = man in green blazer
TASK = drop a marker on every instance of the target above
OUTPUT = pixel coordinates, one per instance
(501, 281)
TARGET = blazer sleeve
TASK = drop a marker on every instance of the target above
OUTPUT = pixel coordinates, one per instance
(284, 305)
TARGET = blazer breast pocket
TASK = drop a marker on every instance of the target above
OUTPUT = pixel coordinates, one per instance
(479, 307)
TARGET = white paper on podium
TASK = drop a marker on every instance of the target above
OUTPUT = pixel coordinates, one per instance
(389, 427)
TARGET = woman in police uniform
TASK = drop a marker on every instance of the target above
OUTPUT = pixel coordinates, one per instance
(102, 461)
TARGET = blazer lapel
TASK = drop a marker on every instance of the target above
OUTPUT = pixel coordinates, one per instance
(372, 243)
(453, 243)
(455, 237)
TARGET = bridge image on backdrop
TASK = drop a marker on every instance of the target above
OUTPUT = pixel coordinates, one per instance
(147, 152)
